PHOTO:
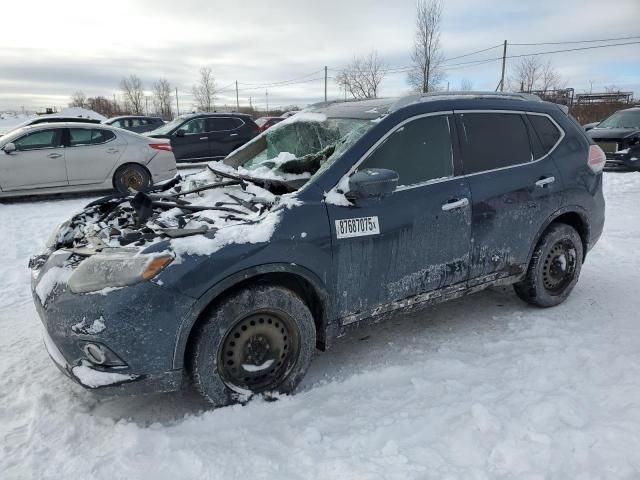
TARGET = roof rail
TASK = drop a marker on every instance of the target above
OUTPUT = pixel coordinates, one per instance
(434, 96)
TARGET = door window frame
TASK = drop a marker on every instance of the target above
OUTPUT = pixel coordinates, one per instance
(68, 139)
(455, 150)
(58, 138)
(523, 113)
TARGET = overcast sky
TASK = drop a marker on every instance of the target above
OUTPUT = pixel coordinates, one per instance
(50, 49)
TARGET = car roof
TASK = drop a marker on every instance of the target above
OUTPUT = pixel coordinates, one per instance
(113, 119)
(215, 114)
(66, 125)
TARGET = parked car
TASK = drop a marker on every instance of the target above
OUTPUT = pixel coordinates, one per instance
(138, 124)
(199, 137)
(73, 157)
(341, 215)
(619, 136)
(266, 122)
(51, 119)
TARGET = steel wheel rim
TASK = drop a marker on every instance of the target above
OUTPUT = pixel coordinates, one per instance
(559, 267)
(259, 351)
(133, 179)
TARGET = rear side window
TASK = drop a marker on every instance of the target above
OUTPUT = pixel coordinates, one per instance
(494, 140)
(547, 132)
(419, 151)
(101, 136)
(224, 124)
(79, 136)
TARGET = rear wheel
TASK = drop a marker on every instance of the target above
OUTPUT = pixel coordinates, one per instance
(554, 268)
(131, 176)
(259, 340)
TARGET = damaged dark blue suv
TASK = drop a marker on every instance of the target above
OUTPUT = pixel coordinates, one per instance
(341, 214)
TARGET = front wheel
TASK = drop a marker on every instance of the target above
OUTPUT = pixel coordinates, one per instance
(554, 268)
(258, 340)
(131, 176)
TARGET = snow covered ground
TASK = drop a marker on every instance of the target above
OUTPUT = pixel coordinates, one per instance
(481, 388)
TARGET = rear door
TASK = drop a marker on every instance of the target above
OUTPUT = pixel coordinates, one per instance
(225, 135)
(514, 186)
(194, 145)
(418, 238)
(91, 154)
(38, 162)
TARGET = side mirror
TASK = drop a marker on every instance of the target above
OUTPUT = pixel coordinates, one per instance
(9, 148)
(180, 132)
(373, 182)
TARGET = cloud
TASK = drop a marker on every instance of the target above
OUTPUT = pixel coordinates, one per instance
(84, 46)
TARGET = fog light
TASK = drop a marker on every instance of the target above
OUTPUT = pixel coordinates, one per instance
(99, 354)
(95, 353)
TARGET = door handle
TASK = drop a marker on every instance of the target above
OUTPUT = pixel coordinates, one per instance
(54, 155)
(112, 150)
(545, 181)
(452, 205)
(204, 138)
(233, 135)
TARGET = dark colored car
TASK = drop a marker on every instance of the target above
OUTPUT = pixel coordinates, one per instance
(199, 137)
(133, 123)
(619, 136)
(51, 119)
(344, 214)
(266, 122)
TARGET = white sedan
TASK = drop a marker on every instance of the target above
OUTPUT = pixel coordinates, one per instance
(65, 157)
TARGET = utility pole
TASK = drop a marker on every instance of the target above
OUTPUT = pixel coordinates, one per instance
(447, 86)
(146, 104)
(266, 92)
(237, 98)
(504, 59)
(325, 83)
(177, 103)
(250, 105)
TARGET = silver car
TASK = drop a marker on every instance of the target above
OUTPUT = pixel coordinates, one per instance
(65, 157)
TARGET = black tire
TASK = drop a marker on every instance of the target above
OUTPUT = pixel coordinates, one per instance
(554, 268)
(257, 326)
(132, 176)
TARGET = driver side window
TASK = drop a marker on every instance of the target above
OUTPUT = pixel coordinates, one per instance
(37, 140)
(419, 151)
(197, 125)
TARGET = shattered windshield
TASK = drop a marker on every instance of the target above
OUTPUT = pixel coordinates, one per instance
(622, 120)
(297, 148)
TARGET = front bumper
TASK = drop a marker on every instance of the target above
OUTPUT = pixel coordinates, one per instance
(139, 324)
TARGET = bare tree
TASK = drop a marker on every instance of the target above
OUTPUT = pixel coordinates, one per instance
(205, 91)
(162, 98)
(362, 77)
(466, 85)
(531, 73)
(104, 106)
(78, 99)
(133, 94)
(427, 57)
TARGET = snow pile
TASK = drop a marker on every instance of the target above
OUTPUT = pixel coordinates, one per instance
(94, 378)
(79, 112)
(483, 387)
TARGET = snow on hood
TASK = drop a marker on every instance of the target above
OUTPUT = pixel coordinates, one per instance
(196, 216)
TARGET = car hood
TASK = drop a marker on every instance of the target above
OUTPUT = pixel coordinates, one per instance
(196, 215)
(613, 133)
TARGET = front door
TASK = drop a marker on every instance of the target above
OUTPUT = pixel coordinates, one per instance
(414, 241)
(37, 162)
(194, 144)
(91, 154)
(515, 187)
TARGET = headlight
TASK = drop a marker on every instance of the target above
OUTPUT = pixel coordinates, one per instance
(52, 241)
(115, 270)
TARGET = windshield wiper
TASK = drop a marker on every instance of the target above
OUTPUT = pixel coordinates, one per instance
(276, 186)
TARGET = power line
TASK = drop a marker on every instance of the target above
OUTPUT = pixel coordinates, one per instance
(576, 41)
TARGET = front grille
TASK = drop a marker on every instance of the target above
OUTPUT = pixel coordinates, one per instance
(609, 148)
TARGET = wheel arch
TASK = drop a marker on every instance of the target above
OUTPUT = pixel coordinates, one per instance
(574, 216)
(298, 279)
